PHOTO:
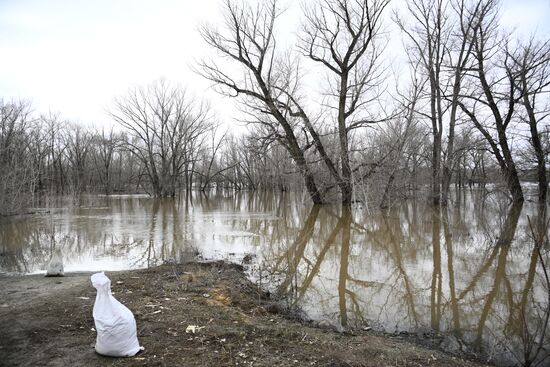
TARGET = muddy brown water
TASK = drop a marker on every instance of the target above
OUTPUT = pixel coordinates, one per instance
(469, 276)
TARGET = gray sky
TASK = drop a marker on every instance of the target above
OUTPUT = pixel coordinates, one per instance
(75, 56)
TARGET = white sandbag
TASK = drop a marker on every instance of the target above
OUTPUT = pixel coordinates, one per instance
(55, 265)
(114, 322)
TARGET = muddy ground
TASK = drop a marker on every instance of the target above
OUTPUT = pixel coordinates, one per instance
(48, 322)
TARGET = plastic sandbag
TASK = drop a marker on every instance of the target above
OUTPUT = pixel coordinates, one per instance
(55, 265)
(114, 322)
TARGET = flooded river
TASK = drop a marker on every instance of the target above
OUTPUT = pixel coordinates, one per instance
(469, 276)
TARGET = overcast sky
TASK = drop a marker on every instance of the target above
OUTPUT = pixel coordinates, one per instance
(75, 56)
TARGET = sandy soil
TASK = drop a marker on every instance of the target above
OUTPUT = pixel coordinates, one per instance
(48, 322)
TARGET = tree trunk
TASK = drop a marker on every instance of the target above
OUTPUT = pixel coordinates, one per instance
(537, 146)
(346, 186)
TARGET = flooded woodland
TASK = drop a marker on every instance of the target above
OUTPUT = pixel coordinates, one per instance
(372, 165)
(469, 273)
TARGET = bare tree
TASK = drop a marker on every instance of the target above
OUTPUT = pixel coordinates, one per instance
(248, 40)
(38, 151)
(103, 155)
(56, 147)
(428, 36)
(78, 143)
(212, 166)
(15, 163)
(398, 136)
(528, 67)
(490, 98)
(339, 35)
(441, 43)
(342, 36)
(164, 123)
(459, 61)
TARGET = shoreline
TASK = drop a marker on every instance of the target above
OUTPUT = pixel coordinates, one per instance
(48, 321)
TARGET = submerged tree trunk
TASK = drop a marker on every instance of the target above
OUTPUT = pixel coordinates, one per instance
(533, 54)
(437, 278)
(346, 185)
(343, 273)
(499, 98)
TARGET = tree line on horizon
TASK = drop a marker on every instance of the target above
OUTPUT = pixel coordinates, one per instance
(472, 108)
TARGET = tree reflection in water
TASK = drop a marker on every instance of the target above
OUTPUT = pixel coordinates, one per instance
(479, 282)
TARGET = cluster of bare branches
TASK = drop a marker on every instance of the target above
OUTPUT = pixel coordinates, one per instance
(341, 36)
(477, 79)
(166, 129)
(464, 75)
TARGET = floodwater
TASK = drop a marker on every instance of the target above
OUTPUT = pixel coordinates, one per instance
(469, 276)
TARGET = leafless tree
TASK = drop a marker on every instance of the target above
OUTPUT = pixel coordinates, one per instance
(212, 166)
(397, 138)
(248, 40)
(38, 152)
(164, 123)
(528, 68)
(104, 146)
(339, 35)
(78, 143)
(53, 126)
(429, 36)
(459, 61)
(15, 164)
(343, 36)
(489, 99)
(441, 41)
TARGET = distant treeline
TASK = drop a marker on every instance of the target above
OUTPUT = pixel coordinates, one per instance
(166, 155)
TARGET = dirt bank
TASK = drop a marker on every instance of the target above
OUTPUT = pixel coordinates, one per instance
(48, 322)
